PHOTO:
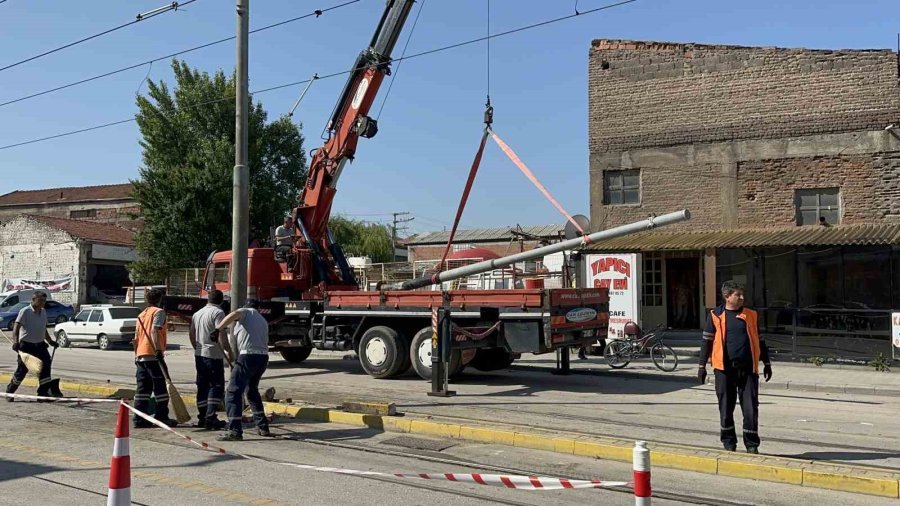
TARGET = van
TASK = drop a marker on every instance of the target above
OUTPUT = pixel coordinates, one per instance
(13, 297)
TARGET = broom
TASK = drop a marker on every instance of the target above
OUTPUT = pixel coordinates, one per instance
(33, 363)
(178, 407)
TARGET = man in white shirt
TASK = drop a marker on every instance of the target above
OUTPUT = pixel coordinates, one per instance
(209, 359)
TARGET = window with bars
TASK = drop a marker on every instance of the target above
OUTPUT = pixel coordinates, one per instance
(818, 206)
(622, 187)
(652, 283)
(83, 213)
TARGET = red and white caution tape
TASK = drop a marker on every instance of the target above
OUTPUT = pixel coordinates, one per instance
(497, 480)
(55, 399)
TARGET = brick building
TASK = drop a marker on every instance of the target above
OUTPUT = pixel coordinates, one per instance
(43, 248)
(112, 204)
(789, 160)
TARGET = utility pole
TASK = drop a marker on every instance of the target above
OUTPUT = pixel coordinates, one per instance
(394, 229)
(240, 214)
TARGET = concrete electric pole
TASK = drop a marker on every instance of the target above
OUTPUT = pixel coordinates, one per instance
(394, 229)
(241, 195)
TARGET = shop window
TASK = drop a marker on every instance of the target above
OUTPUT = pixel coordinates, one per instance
(818, 206)
(622, 187)
(83, 213)
(867, 283)
(819, 278)
(652, 284)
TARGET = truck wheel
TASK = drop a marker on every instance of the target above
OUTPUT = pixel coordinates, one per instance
(404, 354)
(379, 352)
(420, 354)
(492, 359)
(295, 355)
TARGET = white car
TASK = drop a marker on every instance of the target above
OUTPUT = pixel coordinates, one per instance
(104, 325)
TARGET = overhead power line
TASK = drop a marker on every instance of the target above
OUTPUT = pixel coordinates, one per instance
(316, 13)
(296, 83)
(140, 17)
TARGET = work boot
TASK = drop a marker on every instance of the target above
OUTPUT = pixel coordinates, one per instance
(230, 436)
(753, 449)
(168, 421)
(216, 424)
(581, 354)
(730, 448)
(265, 432)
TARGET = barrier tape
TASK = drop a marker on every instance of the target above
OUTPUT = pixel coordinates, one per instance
(497, 480)
(56, 399)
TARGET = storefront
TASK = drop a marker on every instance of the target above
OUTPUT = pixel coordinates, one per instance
(821, 292)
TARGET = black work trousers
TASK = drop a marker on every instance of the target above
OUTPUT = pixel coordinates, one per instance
(245, 375)
(39, 350)
(150, 380)
(210, 386)
(738, 384)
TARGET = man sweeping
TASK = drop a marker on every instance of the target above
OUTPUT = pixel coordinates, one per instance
(30, 336)
(149, 343)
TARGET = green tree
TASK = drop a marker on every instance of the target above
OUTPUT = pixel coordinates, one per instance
(359, 238)
(185, 186)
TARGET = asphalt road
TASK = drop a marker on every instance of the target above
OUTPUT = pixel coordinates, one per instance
(57, 454)
(808, 425)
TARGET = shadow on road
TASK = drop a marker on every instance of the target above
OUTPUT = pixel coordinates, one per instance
(15, 469)
(842, 456)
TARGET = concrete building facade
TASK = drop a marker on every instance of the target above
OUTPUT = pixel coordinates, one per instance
(111, 204)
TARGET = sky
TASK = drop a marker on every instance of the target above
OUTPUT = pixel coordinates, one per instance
(432, 118)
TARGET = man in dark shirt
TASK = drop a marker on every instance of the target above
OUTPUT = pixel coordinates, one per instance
(731, 339)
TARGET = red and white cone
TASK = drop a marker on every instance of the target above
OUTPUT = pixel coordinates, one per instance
(120, 465)
(641, 467)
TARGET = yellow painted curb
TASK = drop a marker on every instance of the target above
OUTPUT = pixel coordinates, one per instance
(483, 435)
(686, 462)
(370, 408)
(602, 451)
(847, 483)
(435, 429)
(765, 472)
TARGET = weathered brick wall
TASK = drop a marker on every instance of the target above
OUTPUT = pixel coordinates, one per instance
(33, 250)
(887, 166)
(117, 213)
(658, 94)
(767, 188)
(664, 190)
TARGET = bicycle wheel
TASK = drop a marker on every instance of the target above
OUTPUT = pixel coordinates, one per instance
(618, 355)
(664, 357)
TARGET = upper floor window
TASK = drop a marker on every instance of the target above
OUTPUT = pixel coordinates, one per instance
(83, 213)
(818, 206)
(622, 187)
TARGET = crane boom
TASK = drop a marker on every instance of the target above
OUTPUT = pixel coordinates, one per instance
(315, 254)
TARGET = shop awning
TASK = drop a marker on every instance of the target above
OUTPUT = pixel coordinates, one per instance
(839, 235)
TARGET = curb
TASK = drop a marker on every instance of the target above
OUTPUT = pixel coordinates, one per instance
(772, 385)
(845, 478)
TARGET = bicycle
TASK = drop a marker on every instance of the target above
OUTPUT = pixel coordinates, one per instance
(621, 352)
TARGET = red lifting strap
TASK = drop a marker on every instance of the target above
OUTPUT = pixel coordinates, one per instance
(462, 203)
(534, 180)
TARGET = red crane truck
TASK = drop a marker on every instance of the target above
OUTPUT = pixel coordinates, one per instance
(311, 298)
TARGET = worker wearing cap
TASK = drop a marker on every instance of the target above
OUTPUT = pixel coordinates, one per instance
(209, 360)
(732, 341)
(250, 358)
(149, 343)
(30, 336)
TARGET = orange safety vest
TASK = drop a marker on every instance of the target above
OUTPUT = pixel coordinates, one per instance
(718, 352)
(142, 343)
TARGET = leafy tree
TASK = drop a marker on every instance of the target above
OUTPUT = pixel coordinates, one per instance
(185, 186)
(360, 238)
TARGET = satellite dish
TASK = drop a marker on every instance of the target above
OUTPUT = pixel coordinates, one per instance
(583, 222)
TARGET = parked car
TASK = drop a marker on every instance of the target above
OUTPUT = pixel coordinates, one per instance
(57, 312)
(13, 297)
(104, 325)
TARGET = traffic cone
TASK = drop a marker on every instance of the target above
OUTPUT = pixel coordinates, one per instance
(120, 465)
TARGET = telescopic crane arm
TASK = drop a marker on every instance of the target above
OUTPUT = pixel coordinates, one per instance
(313, 243)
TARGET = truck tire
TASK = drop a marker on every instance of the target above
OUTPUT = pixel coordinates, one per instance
(295, 355)
(405, 342)
(492, 359)
(420, 355)
(380, 352)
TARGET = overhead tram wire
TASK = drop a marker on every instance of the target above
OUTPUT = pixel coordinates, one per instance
(174, 6)
(316, 13)
(296, 83)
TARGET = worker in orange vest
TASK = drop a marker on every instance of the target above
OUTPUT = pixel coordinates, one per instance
(149, 343)
(733, 342)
